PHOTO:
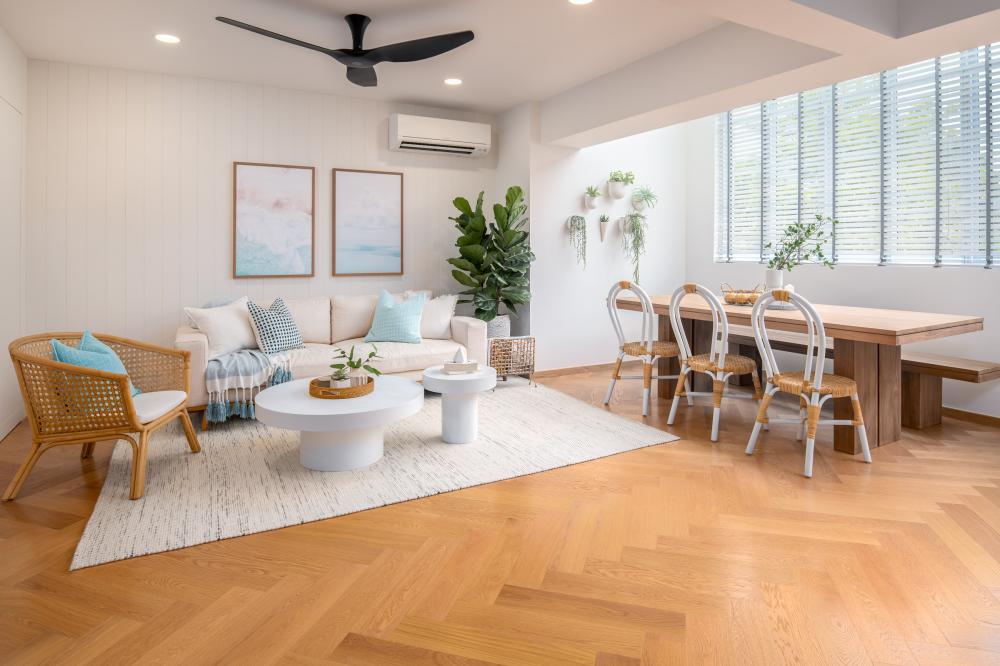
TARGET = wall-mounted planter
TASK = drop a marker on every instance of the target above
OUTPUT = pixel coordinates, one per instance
(639, 205)
(604, 222)
(617, 189)
(590, 203)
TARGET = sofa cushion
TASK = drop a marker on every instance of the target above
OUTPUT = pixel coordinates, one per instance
(314, 360)
(351, 316)
(227, 327)
(312, 316)
(435, 322)
(92, 354)
(397, 320)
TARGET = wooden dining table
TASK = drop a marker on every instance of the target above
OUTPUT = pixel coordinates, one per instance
(867, 347)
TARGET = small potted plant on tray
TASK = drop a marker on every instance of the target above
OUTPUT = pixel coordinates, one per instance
(590, 197)
(350, 370)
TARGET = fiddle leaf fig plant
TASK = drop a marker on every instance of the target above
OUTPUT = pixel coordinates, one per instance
(800, 243)
(493, 257)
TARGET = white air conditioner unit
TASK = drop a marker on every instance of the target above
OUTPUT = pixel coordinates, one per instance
(437, 135)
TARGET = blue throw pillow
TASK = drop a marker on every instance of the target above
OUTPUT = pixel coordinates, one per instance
(274, 327)
(91, 353)
(397, 321)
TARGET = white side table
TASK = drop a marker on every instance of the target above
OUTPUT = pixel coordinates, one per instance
(339, 435)
(459, 400)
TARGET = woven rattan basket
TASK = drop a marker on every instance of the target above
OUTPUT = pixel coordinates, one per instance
(513, 356)
(320, 388)
(740, 296)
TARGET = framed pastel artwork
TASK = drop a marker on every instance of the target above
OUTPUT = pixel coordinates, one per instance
(367, 222)
(274, 225)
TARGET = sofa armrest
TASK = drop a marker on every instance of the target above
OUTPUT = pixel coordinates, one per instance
(471, 333)
(194, 342)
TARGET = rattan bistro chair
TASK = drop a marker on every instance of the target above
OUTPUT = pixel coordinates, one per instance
(67, 404)
(812, 387)
(717, 364)
(648, 348)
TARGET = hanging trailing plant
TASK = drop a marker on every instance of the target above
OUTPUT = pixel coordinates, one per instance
(634, 240)
(577, 225)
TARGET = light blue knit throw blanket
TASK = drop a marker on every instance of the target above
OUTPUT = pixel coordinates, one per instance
(246, 373)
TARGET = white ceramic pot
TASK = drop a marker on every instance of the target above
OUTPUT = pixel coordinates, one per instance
(590, 203)
(617, 189)
(639, 205)
(774, 278)
(604, 229)
(340, 383)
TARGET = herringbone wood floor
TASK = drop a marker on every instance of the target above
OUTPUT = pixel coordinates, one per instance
(686, 553)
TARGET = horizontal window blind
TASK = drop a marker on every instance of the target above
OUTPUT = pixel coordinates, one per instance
(907, 161)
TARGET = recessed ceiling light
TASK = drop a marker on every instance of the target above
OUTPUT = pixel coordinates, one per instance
(168, 39)
(453, 82)
(580, 2)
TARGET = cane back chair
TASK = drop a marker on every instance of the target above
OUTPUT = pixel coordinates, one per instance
(647, 348)
(717, 364)
(67, 404)
(811, 386)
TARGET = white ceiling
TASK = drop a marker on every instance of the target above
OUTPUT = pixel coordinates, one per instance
(524, 49)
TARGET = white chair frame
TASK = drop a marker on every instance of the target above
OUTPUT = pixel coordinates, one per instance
(717, 356)
(811, 400)
(648, 337)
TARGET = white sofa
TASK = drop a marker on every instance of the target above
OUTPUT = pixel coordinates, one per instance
(343, 321)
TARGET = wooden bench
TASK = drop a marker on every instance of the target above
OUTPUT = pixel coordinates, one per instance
(922, 373)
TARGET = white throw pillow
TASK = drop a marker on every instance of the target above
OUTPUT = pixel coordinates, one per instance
(351, 316)
(435, 323)
(312, 316)
(227, 327)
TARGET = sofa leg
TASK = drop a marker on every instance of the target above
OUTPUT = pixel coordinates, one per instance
(921, 400)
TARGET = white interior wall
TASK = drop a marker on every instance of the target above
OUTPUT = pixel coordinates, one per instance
(129, 193)
(957, 290)
(13, 92)
(569, 318)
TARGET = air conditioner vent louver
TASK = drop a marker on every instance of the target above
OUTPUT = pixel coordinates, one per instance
(438, 135)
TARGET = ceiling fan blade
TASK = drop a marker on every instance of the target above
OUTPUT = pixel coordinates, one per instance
(419, 49)
(362, 76)
(275, 35)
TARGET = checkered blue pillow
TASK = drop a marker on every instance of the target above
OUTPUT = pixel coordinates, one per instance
(395, 321)
(274, 327)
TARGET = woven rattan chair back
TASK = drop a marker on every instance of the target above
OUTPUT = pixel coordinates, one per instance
(815, 341)
(720, 323)
(648, 317)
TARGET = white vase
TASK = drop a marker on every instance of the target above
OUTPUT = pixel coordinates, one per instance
(604, 228)
(774, 278)
(617, 189)
(340, 383)
(589, 202)
(639, 205)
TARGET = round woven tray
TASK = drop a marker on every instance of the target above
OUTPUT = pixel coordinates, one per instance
(320, 388)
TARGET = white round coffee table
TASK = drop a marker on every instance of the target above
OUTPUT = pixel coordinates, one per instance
(339, 435)
(459, 400)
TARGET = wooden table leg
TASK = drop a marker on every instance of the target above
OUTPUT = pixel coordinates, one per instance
(668, 366)
(921, 400)
(877, 371)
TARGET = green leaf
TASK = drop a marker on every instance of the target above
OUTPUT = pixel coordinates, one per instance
(463, 264)
(374, 371)
(462, 204)
(464, 279)
(474, 253)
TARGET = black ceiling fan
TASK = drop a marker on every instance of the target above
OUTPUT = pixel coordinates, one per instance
(360, 62)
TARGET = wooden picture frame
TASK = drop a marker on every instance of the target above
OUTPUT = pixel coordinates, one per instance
(255, 203)
(367, 198)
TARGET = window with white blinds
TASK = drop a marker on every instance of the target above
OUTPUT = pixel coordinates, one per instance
(907, 161)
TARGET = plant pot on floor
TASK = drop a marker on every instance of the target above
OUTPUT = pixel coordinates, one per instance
(498, 327)
(617, 189)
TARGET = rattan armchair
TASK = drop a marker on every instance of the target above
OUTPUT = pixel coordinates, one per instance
(66, 404)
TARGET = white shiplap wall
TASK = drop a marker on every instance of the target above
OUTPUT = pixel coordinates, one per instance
(129, 193)
(13, 71)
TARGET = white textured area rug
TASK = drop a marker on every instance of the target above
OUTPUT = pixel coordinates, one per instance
(248, 479)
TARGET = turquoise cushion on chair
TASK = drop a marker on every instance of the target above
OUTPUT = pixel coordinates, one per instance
(93, 354)
(397, 321)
